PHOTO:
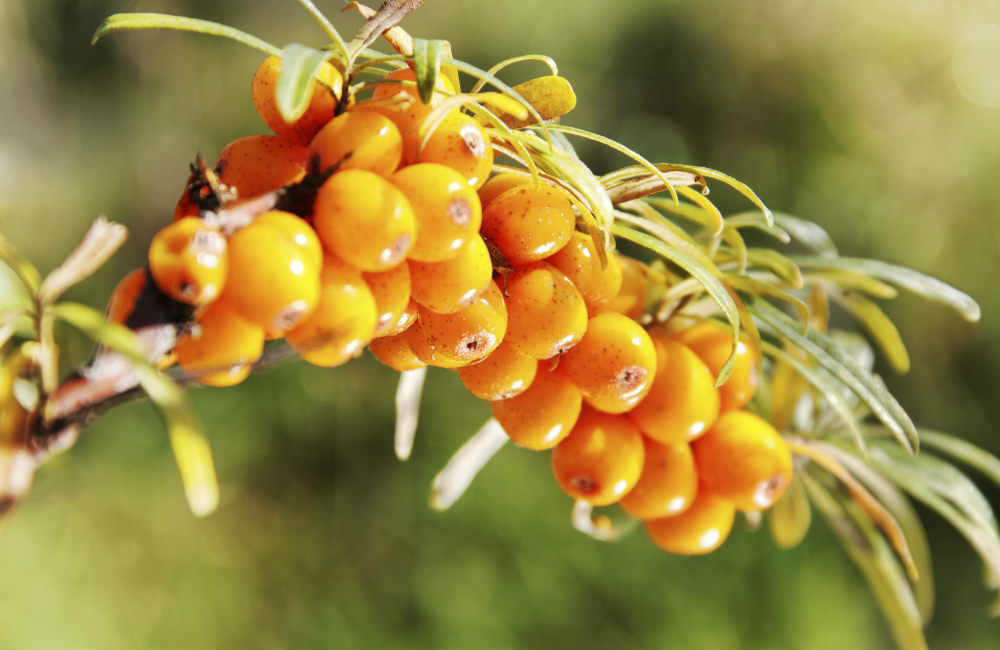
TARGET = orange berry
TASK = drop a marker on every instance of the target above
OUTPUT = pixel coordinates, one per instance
(407, 318)
(601, 458)
(668, 482)
(502, 375)
(544, 414)
(631, 297)
(259, 163)
(448, 286)
(469, 334)
(744, 459)
(423, 349)
(613, 364)
(188, 261)
(682, 403)
(387, 90)
(459, 142)
(447, 209)
(122, 301)
(401, 103)
(546, 313)
(343, 322)
(358, 140)
(712, 342)
(322, 101)
(499, 184)
(528, 224)
(364, 219)
(391, 290)
(581, 262)
(700, 529)
(222, 348)
(274, 270)
(395, 352)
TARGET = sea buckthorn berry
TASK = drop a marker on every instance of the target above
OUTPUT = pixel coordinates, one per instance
(189, 261)
(744, 459)
(502, 375)
(358, 139)
(447, 209)
(222, 348)
(459, 142)
(409, 113)
(395, 352)
(274, 270)
(613, 364)
(540, 417)
(448, 286)
(405, 320)
(121, 304)
(712, 342)
(631, 297)
(700, 529)
(499, 184)
(471, 333)
(259, 163)
(546, 314)
(682, 403)
(431, 355)
(387, 90)
(529, 224)
(581, 262)
(601, 458)
(364, 219)
(343, 322)
(391, 290)
(668, 482)
(322, 101)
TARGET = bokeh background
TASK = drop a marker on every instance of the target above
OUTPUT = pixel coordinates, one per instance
(878, 120)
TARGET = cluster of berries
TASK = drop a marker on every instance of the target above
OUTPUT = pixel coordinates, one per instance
(408, 246)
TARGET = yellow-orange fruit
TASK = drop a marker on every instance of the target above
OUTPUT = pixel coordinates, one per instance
(601, 458)
(407, 318)
(502, 375)
(667, 484)
(459, 142)
(744, 459)
(581, 262)
(189, 261)
(631, 297)
(546, 314)
(542, 415)
(358, 140)
(447, 209)
(395, 352)
(448, 286)
(700, 529)
(391, 290)
(682, 403)
(528, 224)
(323, 100)
(712, 342)
(499, 184)
(259, 163)
(469, 334)
(222, 348)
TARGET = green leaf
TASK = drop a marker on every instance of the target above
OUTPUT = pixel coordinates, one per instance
(427, 65)
(776, 263)
(119, 22)
(739, 186)
(22, 269)
(326, 26)
(807, 233)
(299, 65)
(882, 330)
(191, 449)
(919, 283)
(757, 220)
(829, 355)
(13, 294)
(691, 259)
(756, 287)
(963, 451)
(857, 281)
(790, 517)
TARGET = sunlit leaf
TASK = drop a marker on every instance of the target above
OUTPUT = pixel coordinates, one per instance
(427, 56)
(857, 281)
(755, 287)
(807, 233)
(551, 96)
(963, 451)
(326, 25)
(790, 517)
(739, 186)
(882, 330)
(299, 66)
(22, 269)
(780, 265)
(118, 22)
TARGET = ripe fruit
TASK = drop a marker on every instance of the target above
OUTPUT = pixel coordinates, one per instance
(613, 364)
(358, 139)
(122, 300)
(343, 321)
(459, 142)
(528, 224)
(407, 111)
(222, 347)
(407, 318)
(469, 334)
(712, 342)
(395, 352)
(322, 101)
(188, 260)
(542, 415)
(744, 459)
(667, 484)
(698, 530)
(631, 298)
(499, 184)
(502, 375)
(391, 290)
(427, 353)
(682, 403)
(364, 219)
(274, 270)
(581, 262)
(259, 163)
(447, 209)
(448, 286)
(546, 313)
(601, 458)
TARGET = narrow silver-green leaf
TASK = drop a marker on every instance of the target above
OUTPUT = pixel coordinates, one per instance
(22, 269)
(757, 220)
(844, 368)
(779, 264)
(427, 65)
(739, 186)
(963, 451)
(756, 287)
(299, 65)
(119, 22)
(881, 328)
(917, 282)
(807, 233)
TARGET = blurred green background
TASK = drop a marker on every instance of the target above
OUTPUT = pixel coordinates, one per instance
(878, 120)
